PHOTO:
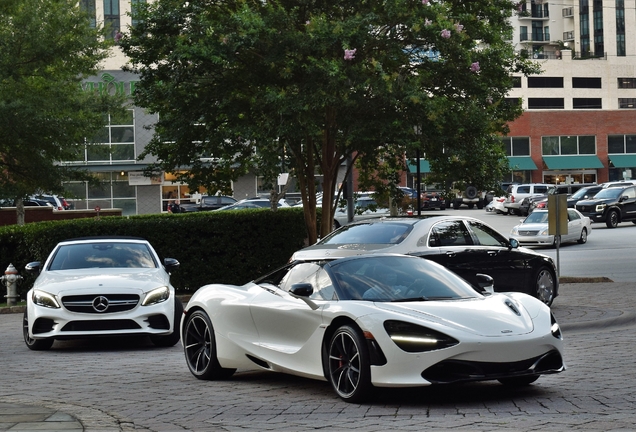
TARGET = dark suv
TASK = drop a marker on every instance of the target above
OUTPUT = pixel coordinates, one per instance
(611, 205)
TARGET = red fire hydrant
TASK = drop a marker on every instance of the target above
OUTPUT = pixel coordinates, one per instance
(10, 280)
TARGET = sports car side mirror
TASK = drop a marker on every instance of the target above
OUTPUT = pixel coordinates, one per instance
(486, 283)
(302, 289)
(514, 243)
(33, 267)
(170, 264)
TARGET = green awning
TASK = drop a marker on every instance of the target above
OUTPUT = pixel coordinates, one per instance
(521, 163)
(623, 161)
(425, 167)
(572, 162)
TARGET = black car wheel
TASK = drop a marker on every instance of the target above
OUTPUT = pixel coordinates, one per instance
(612, 219)
(34, 344)
(200, 348)
(583, 238)
(519, 381)
(348, 365)
(544, 285)
(172, 338)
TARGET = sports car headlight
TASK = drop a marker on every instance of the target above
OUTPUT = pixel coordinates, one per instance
(600, 207)
(554, 328)
(414, 338)
(44, 299)
(155, 296)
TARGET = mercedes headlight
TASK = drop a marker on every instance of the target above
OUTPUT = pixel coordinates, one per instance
(44, 299)
(414, 338)
(155, 296)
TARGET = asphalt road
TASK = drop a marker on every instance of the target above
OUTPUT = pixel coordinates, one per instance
(125, 385)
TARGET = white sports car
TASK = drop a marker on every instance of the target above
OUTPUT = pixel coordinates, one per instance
(370, 321)
(102, 287)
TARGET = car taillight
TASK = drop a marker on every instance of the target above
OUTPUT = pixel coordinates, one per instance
(512, 198)
(501, 199)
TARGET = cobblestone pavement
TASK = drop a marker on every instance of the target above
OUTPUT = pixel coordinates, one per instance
(109, 385)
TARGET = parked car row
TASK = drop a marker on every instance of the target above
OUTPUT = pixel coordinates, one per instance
(379, 302)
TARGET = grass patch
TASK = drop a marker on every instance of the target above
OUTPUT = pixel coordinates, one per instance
(22, 303)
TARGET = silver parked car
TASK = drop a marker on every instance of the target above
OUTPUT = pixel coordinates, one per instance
(533, 230)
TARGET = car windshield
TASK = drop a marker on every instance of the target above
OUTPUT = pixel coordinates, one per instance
(537, 217)
(609, 193)
(369, 233)
(102, 255)
(397, 279)
(580, 193)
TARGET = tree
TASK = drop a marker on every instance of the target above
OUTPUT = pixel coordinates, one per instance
(46, 48)
(324, 79)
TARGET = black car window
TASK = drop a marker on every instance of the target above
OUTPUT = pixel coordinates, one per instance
(450, 233)
(541, 189)
(486, 235)
(314, 274)
(369, 233)
(630, 193)
(609, 193)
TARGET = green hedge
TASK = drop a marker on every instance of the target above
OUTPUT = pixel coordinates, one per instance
(213, 247)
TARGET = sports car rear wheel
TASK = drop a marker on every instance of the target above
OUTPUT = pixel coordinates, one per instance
(34, 344)
(349, 371)
(200, 348)
(519, 381)
(544, 285)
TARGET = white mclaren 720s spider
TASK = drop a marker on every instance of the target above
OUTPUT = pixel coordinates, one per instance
(371, 321)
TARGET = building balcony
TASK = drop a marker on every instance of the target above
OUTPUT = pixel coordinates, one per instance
(568, 36)
(567, 12)
(534, 38)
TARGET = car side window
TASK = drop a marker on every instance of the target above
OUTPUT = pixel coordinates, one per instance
(523, 189)
(630, 192)
(572, 215)
(486, 235)
(450, 233)
(541, 189)
(315, 275)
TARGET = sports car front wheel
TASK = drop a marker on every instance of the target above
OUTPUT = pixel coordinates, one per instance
(200, 348)
(348, 368)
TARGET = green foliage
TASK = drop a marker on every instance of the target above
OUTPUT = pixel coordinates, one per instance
(321, 80)
(46, 49)
(213, 247)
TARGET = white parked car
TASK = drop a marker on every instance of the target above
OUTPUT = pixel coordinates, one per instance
(370, 321)
(533, 230)
(102, 287)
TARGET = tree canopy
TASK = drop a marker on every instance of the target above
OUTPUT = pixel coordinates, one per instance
(47, 48)
(317, 81)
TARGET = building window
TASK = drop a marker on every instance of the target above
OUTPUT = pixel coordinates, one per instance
(621, 144)
(516, 82)
(568, 145)
(88, 6)
(545, 82)
(134, 7)
(586, 83)
(627, 102)
(116, 141)
(586, 103)
(516, 146)
(545, 103)
(172, 190)
(626, 83)
(113, 191)
(513, 102)
(620, 28)
(111, 17)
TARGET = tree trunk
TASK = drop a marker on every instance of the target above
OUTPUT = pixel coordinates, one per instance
(19, 211)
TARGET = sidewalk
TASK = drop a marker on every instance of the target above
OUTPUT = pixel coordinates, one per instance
(580, 308)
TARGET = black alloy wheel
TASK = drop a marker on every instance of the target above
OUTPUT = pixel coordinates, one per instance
(34, 344)
(348, 365)
(200, 348)
(612, 219)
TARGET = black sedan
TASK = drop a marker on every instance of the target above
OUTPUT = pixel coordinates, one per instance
(464, 245)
